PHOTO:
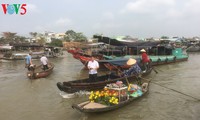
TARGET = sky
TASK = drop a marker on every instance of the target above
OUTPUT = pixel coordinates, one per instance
(136, 18)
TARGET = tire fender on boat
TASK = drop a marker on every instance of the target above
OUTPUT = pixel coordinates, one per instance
(166, 60)
(145, 87)
(174, 59)
(159, 60)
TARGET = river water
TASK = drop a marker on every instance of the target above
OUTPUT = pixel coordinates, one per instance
(173, 95)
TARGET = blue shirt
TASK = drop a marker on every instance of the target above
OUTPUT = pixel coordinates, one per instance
(28, 59)
(135, 69)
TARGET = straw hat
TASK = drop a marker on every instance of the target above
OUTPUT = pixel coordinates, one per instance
(131, 61)
(143, 50)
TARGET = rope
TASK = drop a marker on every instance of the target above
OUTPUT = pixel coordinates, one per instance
(178, 91)
(175, 90)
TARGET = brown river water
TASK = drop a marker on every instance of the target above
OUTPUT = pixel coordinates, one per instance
(173, 95)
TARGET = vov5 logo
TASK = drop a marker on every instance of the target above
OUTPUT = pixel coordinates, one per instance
(14, 9)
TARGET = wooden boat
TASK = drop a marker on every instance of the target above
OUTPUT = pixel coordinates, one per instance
(86, 85)
(177, 56)
(160, 52)
(21, 56)
(119, 63)
(53, 52)
(93, 107)
(38, 72)
(194, 48)
(85, 59)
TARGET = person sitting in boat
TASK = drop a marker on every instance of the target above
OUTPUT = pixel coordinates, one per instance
(93, 66)
(44, 62)
(29, 63)
(145, 60)
(134, 70)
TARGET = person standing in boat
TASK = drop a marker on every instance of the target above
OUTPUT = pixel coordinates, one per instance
(44, 62)
(28, 63)
(93, 66)
(145, 59)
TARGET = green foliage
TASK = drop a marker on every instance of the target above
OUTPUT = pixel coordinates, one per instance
(19, 39)
(73, 36)
(42, 41)
(33, 34)
(164, 37)
(2, 40)
(56, 43)
(8, 37)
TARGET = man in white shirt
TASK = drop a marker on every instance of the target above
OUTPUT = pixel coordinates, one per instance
(44, 61)
(93, 65)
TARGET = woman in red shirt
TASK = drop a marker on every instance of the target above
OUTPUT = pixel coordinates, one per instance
(145, 59)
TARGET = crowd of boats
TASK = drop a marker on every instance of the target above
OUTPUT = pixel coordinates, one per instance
(20, 52)
(121, 90)
(110, 91)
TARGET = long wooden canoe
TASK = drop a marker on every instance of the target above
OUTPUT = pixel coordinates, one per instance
(87, 85)
(38, 72)
(92, 107)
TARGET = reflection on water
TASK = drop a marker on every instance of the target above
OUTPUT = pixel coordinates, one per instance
(24, 99)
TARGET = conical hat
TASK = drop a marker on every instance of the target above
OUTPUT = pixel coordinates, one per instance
(131, 61)
(143, 50)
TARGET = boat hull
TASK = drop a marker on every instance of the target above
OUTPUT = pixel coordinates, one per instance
(86, 85)
(97, 108)
(39, 72)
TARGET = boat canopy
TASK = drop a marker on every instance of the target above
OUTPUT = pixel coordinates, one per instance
(6, 47)
(119, 62)
(138, 43)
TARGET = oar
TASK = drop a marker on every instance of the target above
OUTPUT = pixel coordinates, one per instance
(155, 70)
(121, 72)
(150, 65)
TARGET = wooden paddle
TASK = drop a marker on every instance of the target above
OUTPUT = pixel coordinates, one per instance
(120, 75)
(155, 70)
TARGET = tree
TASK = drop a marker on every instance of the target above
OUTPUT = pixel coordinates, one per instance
(42, 41)
(33, 34)
(56, 43)
(2, 40)
(9, 36)
(70, 35)
(20, 39)
(73, 36)
(164, 37)
(80, 37)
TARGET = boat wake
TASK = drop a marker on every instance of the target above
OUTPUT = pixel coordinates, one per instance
(73, 95)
